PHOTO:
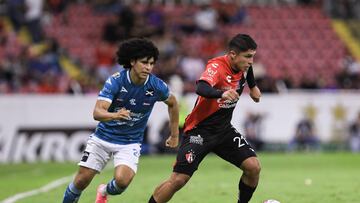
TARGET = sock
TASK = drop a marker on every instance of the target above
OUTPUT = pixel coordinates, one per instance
(72, 194)
(152, 200)
(245, 192)
(113, 189)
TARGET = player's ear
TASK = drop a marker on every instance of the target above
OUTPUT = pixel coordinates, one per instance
(132, 62)
(232, 54)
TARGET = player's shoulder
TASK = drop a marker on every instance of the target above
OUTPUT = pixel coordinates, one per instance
(119, 74)
(118, 77)
(217, 62)
(156, 81)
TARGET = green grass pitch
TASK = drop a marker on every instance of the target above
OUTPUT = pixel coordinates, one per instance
(335, 178)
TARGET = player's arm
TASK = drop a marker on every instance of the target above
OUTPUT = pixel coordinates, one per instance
(255, 92)
(101, 112)
(204, 89)
(173, 110)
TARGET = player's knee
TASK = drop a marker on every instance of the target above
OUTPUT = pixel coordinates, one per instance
(255, 169)
(81, 183)
(252, 167)
(122, 182)
(179, 182)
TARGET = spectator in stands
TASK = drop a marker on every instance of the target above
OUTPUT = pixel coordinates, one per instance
(104, 59)
(57, 6)
(33, 15)
(16, 10)
(154, 19)
(305, 137)
(348, 77)
(206, 18)
(126, 21)
(191, 66)
(354, 131)
(252, 127)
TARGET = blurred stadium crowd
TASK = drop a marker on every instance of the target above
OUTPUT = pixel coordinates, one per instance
(68, 46)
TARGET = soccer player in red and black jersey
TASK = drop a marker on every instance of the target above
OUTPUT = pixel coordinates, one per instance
(208, 128)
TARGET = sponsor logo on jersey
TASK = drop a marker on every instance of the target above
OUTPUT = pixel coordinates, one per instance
(197, 140)
(227, 104)
(190, 156)
(146, 104)
(85, 156)
(105, 91)
(109, 81)
(215, 65)
(123, 89)
(228, 78)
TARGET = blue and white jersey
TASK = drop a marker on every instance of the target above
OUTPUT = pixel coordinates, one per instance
(139, 99)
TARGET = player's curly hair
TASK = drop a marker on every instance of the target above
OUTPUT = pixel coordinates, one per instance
(134, 49)
(242, 42)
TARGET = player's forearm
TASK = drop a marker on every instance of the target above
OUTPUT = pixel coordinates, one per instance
(103, 115)
(173, 110)
(250, 78)
(255, 93)
(205, 90)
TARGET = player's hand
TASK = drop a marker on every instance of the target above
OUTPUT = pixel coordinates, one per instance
(255, 94)
(123, 114)
(172, 141)
(230, 95)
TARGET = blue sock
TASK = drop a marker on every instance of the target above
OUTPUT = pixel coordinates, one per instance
(113, 189)
(72, 194)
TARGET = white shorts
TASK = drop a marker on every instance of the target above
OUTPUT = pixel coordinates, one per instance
(98, 152)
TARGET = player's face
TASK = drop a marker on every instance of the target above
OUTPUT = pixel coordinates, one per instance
(142, 67)
(243, 60)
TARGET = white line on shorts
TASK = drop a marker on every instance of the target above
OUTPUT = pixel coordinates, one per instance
(45, 188)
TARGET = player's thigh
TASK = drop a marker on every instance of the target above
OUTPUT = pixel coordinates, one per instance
(96, 154)
(194, 147)
(127, 155)
(234, 148)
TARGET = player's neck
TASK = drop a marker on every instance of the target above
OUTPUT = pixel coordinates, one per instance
(135, 79)
(234, 70)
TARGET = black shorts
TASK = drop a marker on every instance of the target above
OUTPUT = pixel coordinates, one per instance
(228, 144)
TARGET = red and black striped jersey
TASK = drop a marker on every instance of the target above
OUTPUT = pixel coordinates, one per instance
(215, 114)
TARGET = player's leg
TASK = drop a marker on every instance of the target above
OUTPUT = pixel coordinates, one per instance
(235, 149)
(92, 162)
(192, 151)
(165, 191)
(81, 181)
(249, 179)
(126, 158)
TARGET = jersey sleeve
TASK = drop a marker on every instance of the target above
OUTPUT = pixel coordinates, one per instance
(211, 74)
(164, 91)
(109, 89)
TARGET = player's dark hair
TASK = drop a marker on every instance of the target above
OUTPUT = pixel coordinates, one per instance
(134, 49)
(241, 43)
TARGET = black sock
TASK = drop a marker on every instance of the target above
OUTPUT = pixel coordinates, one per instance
(245, 192)
(152, 200)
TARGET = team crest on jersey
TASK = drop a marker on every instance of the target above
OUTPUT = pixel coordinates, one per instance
(116, 75)
(132, 102)
(190, 156)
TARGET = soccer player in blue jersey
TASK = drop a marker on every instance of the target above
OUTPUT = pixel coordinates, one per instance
(123, 108)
